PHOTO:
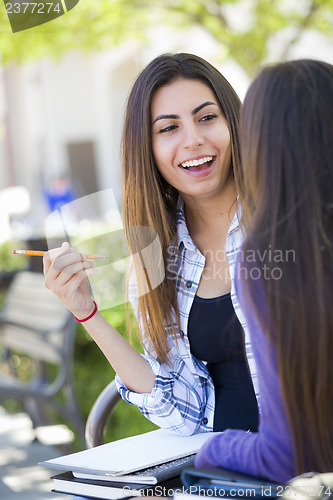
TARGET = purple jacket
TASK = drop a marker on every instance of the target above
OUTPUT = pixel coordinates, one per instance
(267, 453)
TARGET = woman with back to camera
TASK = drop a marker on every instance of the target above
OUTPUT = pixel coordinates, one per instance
(180, 150)
(286, 292)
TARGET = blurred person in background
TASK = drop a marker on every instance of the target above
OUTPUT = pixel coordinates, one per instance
(59, 193)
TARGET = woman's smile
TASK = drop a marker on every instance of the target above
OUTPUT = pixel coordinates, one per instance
(199, 167)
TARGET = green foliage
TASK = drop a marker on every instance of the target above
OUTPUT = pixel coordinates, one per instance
(91, 25)
(243, 28)
(245, 35)
(8, 261)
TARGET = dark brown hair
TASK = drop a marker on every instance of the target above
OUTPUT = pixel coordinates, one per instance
(285, 187)
(149, 201)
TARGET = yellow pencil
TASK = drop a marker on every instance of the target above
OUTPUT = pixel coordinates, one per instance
(40, 253)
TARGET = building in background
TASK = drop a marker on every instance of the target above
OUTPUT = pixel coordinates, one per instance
(63, 119)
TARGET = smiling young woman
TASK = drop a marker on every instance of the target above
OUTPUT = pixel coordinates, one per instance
(192, 152)
(180, 152)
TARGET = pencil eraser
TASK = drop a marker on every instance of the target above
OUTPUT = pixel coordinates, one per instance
(14, 251)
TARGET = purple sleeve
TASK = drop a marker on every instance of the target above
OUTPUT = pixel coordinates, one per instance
(267, 453)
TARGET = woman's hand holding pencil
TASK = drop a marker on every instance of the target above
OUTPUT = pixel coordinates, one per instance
(66, 272)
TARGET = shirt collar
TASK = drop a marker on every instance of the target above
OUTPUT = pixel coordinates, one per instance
(182, 230)
(235, 221)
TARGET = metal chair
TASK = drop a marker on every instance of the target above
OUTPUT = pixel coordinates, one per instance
(34, 323)
(99, 415)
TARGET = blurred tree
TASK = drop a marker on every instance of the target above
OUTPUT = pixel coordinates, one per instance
(245, 29)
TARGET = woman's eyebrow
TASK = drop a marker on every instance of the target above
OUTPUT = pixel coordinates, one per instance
(163, 117)
(176, 117)
(207, 103)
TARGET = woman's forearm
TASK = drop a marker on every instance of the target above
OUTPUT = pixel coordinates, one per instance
(131, 367)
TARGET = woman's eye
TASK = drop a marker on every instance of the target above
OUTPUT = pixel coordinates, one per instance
(169, 128)
(207, 118)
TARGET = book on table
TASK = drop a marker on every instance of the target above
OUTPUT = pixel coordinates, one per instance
(68, 484)
(136, 462)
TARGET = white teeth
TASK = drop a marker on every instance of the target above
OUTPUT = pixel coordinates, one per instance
(196, 163)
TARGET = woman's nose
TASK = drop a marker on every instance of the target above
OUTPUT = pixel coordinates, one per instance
(192, 138)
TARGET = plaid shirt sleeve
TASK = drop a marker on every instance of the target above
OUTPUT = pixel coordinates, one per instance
(183, 397)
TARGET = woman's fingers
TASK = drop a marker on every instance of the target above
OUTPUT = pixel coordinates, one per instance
(64, 274)
(54, 253)
(62, 264)
(78, 279)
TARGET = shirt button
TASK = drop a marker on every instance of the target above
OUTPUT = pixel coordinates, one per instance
(205, 421)
(188, 284)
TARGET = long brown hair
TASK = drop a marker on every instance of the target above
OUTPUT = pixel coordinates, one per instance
(149, 201)
(285, 188)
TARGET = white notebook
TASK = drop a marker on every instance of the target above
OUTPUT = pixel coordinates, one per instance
(130, 454)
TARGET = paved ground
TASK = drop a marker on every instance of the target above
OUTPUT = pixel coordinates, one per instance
(20, 476)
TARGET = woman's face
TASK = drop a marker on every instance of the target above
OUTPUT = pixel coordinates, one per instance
(190, 138)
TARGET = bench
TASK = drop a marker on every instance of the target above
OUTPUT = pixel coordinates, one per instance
(35, 324)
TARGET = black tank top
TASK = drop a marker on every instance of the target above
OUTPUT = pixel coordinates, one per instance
(216, 336)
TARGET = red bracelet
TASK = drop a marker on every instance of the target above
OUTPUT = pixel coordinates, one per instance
(88, 317)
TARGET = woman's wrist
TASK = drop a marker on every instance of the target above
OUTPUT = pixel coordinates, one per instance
(93, 311)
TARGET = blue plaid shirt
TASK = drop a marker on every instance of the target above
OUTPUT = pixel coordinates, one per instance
(183, 398)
